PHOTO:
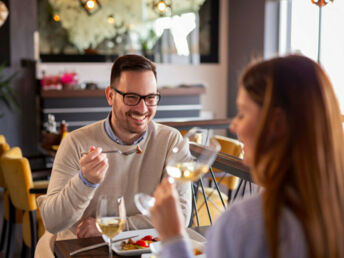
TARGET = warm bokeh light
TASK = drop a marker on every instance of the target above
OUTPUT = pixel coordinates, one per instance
(90, 4)
(110, 19)
(320, 2)
(161, 6)
(56, 17)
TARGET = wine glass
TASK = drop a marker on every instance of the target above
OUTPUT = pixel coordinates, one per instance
(111, 217)
(181, 169)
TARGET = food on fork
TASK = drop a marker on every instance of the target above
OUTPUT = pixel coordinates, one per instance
(197, 252)
(138, 149)
(139, 244)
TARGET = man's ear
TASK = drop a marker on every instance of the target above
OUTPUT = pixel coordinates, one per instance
(110, 95)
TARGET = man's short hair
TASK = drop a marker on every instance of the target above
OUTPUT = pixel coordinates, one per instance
(130, 63)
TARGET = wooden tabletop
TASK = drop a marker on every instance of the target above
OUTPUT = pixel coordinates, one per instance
(226, 163)
(64, 247)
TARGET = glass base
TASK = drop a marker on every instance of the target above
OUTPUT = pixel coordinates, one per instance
(144, 203)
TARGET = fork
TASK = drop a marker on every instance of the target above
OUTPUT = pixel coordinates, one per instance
(126, 153)
(98, 245)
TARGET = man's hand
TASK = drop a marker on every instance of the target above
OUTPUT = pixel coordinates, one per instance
(94, 165)
(166, 215)
(87, 228)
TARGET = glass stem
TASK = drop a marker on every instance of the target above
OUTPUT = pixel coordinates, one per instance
(110, 249)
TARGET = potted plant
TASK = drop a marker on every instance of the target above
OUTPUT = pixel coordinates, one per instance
(7, 94)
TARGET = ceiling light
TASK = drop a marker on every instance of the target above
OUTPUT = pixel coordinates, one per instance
(162, 7)
(91, 6)
(56, 17)
(3, 13)
(111, 19)
(321, 2)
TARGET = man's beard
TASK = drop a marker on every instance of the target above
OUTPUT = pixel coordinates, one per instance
(123, 121)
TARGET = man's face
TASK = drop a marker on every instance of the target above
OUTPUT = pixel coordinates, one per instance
(132, 121)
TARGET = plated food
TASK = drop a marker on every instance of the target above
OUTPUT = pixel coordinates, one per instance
(144, 242)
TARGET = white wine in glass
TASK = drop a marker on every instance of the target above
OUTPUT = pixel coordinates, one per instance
(186, 171)
(183, 170)
(111, 218)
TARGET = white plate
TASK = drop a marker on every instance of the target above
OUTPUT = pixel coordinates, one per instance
(156, 249)
(141, 233)
(116, 247)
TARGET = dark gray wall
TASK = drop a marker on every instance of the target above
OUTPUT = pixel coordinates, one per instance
(20, 128)
(246, 41)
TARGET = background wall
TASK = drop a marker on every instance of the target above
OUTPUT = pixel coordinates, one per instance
(241, 37)
(213, 76)
(246, 41)
(19, 128)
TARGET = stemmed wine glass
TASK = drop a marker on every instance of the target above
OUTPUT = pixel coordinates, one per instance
(181, 169)
(111, 217)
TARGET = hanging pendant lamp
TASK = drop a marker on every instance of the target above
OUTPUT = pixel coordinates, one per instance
(3, 13)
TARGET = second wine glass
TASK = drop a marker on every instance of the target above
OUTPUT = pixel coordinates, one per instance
(111, 218)
(181, 168)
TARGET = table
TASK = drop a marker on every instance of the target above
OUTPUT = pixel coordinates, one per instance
(64, 247)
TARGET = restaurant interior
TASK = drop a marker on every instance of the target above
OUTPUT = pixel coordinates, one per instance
(55, 62)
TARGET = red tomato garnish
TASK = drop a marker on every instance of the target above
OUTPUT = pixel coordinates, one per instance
(141, 243)
(149, 238)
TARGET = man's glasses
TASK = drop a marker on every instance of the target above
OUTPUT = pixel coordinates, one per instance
(132, 99)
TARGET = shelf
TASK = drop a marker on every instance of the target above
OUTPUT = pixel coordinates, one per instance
(180, 91)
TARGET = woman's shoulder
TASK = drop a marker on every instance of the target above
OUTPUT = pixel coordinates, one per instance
(239, 227)
(244, 212)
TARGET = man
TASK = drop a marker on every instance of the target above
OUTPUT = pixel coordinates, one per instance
(68, 210)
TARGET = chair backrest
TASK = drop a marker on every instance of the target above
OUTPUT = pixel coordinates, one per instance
(2, 139)
(18, 179)
(197, 138)
(230, 146)
(3, 148)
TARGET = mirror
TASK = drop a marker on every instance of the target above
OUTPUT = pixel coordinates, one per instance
(166, 31)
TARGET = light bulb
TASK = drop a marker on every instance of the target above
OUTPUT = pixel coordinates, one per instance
(161, 6)
(56, 17)
(110, 19)
(90, 4)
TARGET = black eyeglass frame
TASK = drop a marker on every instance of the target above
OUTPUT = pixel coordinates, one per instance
(139, 96)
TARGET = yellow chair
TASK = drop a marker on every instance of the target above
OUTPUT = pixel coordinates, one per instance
(18, 179)
(215, 205)
(11, 215)
(234, 148)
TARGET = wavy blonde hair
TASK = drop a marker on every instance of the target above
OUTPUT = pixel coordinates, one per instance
(304, 169)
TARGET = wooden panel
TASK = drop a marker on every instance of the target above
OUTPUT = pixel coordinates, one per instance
(101, 92)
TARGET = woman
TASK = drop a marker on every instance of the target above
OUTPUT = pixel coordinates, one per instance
(290, 123)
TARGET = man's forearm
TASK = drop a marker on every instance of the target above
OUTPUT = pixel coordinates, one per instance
(60, 210)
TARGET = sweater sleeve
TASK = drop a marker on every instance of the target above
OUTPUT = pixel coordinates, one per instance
(67, 196)
(179, 247)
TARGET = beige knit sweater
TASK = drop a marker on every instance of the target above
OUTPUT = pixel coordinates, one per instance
(69, 200)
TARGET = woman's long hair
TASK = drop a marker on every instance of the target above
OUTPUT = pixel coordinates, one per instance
(304, 169)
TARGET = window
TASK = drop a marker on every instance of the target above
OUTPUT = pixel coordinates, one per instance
(299, 31)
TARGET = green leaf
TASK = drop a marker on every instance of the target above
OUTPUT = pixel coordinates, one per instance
(7, 94)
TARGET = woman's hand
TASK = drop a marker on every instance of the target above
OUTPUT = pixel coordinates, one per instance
(166, 215)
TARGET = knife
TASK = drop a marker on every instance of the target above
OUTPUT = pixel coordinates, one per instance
(98, 245)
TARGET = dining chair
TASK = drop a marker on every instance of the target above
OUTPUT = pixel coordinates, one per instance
(230, 147)
(18, 179)
(11, 216)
